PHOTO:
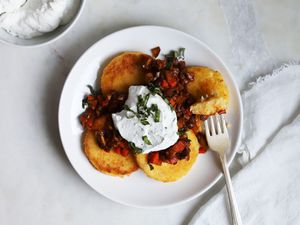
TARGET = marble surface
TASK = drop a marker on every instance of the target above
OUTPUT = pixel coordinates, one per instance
(37, 183)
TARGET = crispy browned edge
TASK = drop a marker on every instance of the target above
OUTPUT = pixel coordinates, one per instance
(107, 162)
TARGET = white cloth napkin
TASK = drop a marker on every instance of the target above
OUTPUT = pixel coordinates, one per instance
(268, 188)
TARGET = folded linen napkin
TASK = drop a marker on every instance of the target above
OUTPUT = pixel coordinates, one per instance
(268, 188)
(270, 103)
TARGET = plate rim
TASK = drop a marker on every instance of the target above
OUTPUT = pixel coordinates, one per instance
(240, 109)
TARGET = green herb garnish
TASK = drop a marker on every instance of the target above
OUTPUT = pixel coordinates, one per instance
(126, 107)
(84, 102)
(143, 112)
(157, 116)
(146, 140)
(144, 122)
(92, 90)
(181, 131)
(180, 54)
(156, 90)
(135, 149)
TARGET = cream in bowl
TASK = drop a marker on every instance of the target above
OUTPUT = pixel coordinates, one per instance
(36, 22)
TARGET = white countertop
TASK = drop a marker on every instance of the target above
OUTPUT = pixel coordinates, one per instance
(37, 183)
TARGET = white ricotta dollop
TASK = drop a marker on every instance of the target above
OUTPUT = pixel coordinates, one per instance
(161, 134)
(36, 17)
(10, 5)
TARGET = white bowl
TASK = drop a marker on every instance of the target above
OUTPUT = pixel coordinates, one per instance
(45, 38)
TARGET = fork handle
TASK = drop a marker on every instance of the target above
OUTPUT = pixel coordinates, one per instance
(235, 214)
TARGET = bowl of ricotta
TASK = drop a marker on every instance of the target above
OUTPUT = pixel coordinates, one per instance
(37, 22)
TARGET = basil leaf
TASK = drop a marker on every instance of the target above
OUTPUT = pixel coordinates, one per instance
(146, 140)
(84, 102)
(93, 92)
(167, 101)
(144, 122)
(157, 116)
(181, 131)
(135, 149)
(180, 54)
(156, 90)
(147, 96)
(126, 107)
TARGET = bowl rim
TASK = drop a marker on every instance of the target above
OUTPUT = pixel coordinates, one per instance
(58, 36)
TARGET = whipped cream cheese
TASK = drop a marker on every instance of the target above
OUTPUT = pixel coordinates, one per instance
(158, 134)
(10, 5)
(31, 18)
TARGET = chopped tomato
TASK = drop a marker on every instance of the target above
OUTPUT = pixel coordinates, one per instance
(173, 160)
(178, 147)
(90, 97)
(173, 83)
(83, 119)
(153, 157)
(180, 123)
(122, 144)
(125, 152)
(188, 112)
(172, 102)
(118, 150)
(202, 150)
(92, 101)
(90, 122)
(164, 84)
(87, 118)
(105, 102)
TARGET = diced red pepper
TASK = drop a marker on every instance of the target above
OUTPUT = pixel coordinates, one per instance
(83, 119)
(93, 104)
(87, 118)
(179, 146)
(118, 150)
(90, 122)
(122, 144)
(202, 150)
(125, 152)
(173, 83)
(180, 123)
(153, 157)
(105, 102)
(172, 102)
(188, 112)
(90, 97)
(173, 160)
(164, 84)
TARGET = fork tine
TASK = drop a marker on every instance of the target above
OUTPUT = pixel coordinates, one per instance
(212, 125)
(219, 130)
(223, 123)
(207, 132)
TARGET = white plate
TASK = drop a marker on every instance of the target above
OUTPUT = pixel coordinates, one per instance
(137, 189)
